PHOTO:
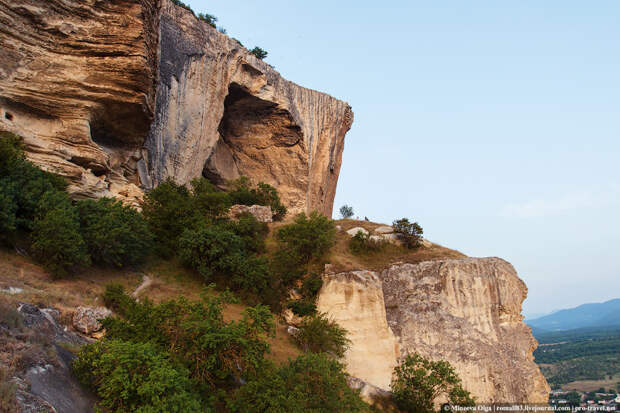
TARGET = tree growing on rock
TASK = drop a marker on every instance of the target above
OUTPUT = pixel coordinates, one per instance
(346, 211)
(410, 232)
(258, 52)
(418, 382)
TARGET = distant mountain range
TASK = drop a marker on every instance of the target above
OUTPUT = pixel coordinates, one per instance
(587, 315)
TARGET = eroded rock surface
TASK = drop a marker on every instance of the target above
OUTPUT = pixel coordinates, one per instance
(465, 311)
(86, 319)
(260, 212)
(120, 95)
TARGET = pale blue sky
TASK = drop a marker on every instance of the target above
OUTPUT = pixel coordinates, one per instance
(495, 124)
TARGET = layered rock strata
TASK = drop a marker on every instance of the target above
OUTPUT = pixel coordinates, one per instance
(119, 95)
(466, 311)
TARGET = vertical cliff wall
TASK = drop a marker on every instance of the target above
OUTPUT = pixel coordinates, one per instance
(78, 82)
(223, 113)
(119, 95)
(466, 311)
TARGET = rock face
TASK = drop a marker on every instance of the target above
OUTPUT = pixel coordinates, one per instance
(86, 319)
(260, 212)
(120, 95)
(466, 311)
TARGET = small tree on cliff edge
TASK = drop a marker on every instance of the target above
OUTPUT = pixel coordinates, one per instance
(258, 52)
(418, 382)
(346, 211)
(411, 233)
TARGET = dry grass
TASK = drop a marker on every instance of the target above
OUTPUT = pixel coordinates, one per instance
(170, 280)
(343, 260)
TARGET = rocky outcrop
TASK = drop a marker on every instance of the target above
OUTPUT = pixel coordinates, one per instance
(120, 95)
(466, 311)
(34, 354)
(260, 212)
(86, 319)
(77, 82)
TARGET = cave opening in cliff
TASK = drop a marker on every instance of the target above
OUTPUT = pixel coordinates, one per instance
(258, 139)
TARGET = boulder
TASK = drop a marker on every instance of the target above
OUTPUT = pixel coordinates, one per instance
(385, 229)
(260, 212)
(86, 319)
(353, 231)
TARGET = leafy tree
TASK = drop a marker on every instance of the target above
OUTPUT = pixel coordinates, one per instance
(308, 237)
(319, 334)
(208, 201)
(207, 18)
(310, 383)
(56, 238)
(258, 52)
(217, 353)
(115, 234)
(251, 231)
(302, 307)
(168, 212)
(135, 377)
(8, 210)
(411, 233)
(346, 211)
(418, 382)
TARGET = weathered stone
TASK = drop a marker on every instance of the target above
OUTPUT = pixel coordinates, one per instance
(465, 311)
(378, 238)
(291, 318)
(118, 96)
(385, 229)
(86, 319)
(260, 212)
(353, 231)
(425, 243)
(355, 301)
(292, 331)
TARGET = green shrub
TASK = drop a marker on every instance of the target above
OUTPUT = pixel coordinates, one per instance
(135, 377)
(56, 239)
(217, 353)
(242, 192)
(115, 234)
(418, 382)
(115, 299)
(208, 201)
(411, 233)
(8, 392)
(207, 18)
(311, 383)
(362, 244)
(302, 308)
(168, 212)
(258, 52)
(311, 286)
(308, 237)
(8, 210)
(346, 211)
(251, 231)
(319, 334)
(211, 250)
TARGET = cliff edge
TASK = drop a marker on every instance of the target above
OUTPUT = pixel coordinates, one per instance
(117, 96)
(465, 311)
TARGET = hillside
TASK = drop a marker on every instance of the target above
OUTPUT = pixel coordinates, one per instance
(583, 316)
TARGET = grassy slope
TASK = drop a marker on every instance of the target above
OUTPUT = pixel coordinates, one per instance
(170, 280)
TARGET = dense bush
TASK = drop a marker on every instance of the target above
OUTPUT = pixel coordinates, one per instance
(135, 377)
(56, 239)
(308, 237)
(363, 244)
(114, 234)
(251, 231)
(411, 233)
(319, 334)
(346, 211)
(418, 382)
(217, 353)
(168, 211)
(242, 192)
(304, 307)
(311, 383)
(258, 52)
(207, 18)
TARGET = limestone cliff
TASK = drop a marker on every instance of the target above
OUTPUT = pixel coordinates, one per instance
(120, 95)
(465, 311)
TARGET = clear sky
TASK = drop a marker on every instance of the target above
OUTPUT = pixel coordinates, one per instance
(494, 124)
